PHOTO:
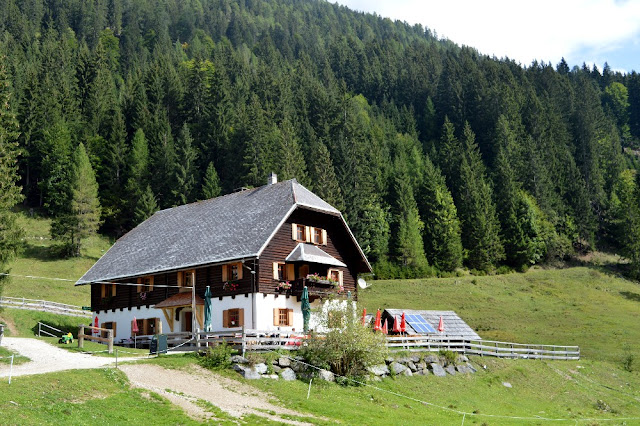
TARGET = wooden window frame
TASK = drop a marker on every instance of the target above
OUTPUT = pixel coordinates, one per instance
(330, 273)
(283, 313)
(227, 271)
(113, 326)
(284, 271)
(229, 314)
(183, 281)
(296, 228)
(103, 290)
(145, 284)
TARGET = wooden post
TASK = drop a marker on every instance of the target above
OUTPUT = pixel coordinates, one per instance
(244, 341)
(110, 343)
(81, 337)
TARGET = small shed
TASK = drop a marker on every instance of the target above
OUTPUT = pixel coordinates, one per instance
(421, 322)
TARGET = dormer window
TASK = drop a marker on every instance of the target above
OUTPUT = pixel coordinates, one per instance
(301, 235)
(308, 234)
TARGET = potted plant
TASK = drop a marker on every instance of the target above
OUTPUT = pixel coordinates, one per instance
(230, 285)
(284, 286)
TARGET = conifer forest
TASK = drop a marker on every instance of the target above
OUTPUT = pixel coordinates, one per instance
(438, 156)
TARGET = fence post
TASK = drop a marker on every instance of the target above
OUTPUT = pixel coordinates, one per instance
(110, 343)
(244, 341)
(81, 337)
(11, 369)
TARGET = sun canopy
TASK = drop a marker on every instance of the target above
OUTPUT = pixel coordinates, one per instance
(310, 253)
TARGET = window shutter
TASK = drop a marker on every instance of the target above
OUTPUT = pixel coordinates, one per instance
(103, 290)
(294, 231)
(276, 316)
(291, 272)
(224, 273)
(307, 234)
(290, 317)
(139, 285)
(114, 325)
(324, 237)
(240, 317)
(113, 289)
(340, 277)
(275, 271)
(151, 279)
(180, 279)
(240, 268)
(145, 326)
(225, 318)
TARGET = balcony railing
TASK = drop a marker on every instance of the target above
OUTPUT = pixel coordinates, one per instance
(317, 289)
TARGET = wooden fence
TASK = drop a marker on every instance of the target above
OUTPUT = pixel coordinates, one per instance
(482, 347)
(108, 340)
(43, 305)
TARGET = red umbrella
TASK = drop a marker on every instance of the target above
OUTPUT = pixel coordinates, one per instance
(441, 325)
(377, 326)
(96, 324)
(403, 324)
(396, 324)
(134, 326)
(385, 327)
(364, 316)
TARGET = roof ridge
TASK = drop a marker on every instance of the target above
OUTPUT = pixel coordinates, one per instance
(293, 190)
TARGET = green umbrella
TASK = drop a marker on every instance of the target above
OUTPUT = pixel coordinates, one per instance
(306, 309)
(207, 309)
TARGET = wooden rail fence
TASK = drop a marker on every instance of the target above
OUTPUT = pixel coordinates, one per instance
(483, 347)
(108, 340)
(43, 305)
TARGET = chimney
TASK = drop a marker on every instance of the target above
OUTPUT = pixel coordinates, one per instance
(273, 178)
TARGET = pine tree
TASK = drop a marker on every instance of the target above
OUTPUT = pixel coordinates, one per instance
(10, 195)
(480, 227)
(211, 183)
(323, 176)
(146, 206)
(55, 151)
(83, 215)
(183, 192)
(291, 160)
(442, 240)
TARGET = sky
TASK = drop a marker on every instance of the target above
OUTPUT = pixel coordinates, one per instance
(589, 31)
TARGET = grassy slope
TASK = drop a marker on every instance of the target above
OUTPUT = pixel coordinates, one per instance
(38, 259)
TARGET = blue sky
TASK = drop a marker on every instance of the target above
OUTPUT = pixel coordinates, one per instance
(591, 31)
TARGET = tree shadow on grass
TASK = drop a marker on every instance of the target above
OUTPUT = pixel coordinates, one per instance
(631, 295)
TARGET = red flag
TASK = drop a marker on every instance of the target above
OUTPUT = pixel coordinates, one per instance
(96, 324)
(378, 324)
(396, 324)
(441, 325)
(385, 327)
(364, 316)
(403, 324)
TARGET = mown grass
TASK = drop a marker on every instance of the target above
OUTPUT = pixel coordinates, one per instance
(40, 257)
(84, 397)
(581, 306)
(25, 322)
(5, 357)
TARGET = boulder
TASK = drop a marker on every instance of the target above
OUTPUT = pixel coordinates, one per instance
(298, 367)
(378, 370)
(284, 362)
(397, 368)
(276, 368)
(506, 384)
(450, 369)
(326, 375)
(471, 368)
(288, 374)
(247, 372)
(408, 359)
(463, 358)
(261, 368)
(407, 372)
(462, 369)
(389, 360)
(430, 359)
(421, 365)
(437, 369)
(412, 366)
(239, 368)
(238, 359)
(271, 376)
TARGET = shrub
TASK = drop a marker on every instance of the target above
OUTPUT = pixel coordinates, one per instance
(449, 356)
(217, 357)
(347, 347)
(627, 362)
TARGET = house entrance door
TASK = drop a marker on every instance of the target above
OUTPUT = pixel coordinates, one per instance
(187, 324)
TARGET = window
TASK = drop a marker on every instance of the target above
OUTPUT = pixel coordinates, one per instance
(232, 318)
(186, 280)
(283, 317)
(108, 326)
(335, 275)
(145, 284)
(146, 326)
(300, 232)
(316, 236)
(283, 271)
(107, 290)
(231, 272)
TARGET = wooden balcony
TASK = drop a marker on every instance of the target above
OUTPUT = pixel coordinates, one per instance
(317, 290)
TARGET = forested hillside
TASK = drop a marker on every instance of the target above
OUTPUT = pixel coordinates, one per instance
(438, 156)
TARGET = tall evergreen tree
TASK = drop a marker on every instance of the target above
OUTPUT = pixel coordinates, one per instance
(145, 206)
(184, 191)
(323, 176)
(10, 231)
(442, 240)
(210, 183)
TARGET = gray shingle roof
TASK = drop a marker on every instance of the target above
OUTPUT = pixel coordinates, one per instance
(304, 252)
(234, 226)
(454, 326)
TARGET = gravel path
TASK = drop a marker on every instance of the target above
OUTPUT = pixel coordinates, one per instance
(233, 397)
(46, 358)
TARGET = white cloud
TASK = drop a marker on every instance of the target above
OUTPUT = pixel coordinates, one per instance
(546, 30)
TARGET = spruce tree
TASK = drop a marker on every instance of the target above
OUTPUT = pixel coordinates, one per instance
(146, 206)
(291, 160)
(187, 154)
(626, 211)
(323, 176)
(480, 226)
(10, 195)
(82, 218)
(442, 240)
(211, 183)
